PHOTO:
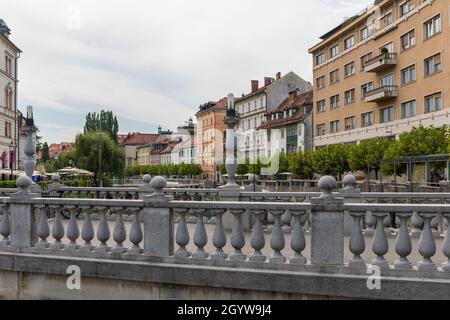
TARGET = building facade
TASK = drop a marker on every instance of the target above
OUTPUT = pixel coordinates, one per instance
(288, 127)
(252, 109)
(9, 135)
(132, 142)
(382, 72)
(210, 137)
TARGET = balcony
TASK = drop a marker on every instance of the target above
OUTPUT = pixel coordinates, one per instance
(381, 62)
(382, 93)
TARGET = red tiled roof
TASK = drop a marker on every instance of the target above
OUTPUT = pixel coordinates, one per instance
(137, 138)
(295, 101)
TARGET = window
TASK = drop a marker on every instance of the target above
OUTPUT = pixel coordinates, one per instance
(334, 51)
(366, 88)
(320, 130)
(408, 40)
(367, 119)
(365, 33)
(433, 102)
(387, 114)
(432, 26)
(349, 42)
(350, 123)
(350, 69)
(349, 96)
(433, 64)
(387, 19)
(321, 106)
(8, 98)
(320, 58)
(408, 75)
(387, 80)
(408, 109)
(7, 129)
(365, 58)
(334, 101)
(320, 82)
(334, 126)
(334, 76)
(388, 48)
(406, 7)
(8, 64)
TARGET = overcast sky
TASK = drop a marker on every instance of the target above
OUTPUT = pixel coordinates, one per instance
(154, 62)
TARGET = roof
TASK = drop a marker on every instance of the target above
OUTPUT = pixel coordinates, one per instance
(138, 138)
(212, 105)
(295, 101)
(252, 94)
(4, 27)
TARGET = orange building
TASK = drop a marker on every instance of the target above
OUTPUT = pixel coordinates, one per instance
(210, 137)
(382, 72)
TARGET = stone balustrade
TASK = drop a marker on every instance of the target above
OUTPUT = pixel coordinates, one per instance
(157, 228)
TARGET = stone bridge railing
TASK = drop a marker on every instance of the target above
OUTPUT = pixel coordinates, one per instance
(25, 228)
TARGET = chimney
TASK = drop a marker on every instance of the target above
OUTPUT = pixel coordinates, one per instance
(255, 85)
(267, 81)
(278, 76)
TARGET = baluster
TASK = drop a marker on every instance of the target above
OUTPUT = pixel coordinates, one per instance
(298, 243)
(43, 229)
(417, 223)
(135, 233)
(434, 227)
(119, 233)
(87, 231)
(237, 236)
(200, 236)
(257, 240)
(182, 235)
(357, 243)
(380, 245)
(103, 233)
(219, 237)
(57, 229)
(73, 233)
(427, 245)
(446, 248)
(371, 222)
(277, 240)
(403, 245)
(5, 227)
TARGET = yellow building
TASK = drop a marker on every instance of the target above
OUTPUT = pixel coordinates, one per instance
(382, 72)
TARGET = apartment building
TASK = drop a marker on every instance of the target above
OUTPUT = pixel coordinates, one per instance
(210, 137)
(382, 72)
(9, 135)
(289, 126)
(131, 146)
(252, 108)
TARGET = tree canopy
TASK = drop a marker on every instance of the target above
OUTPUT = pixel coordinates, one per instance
(105, 121)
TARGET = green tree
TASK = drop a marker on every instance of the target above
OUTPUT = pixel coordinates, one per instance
(331, 160)
(45, 153)
(367, 152)
(97, 152)
(300, 164)
(105, 121)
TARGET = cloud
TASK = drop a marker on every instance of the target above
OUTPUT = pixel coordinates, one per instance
(155, 62)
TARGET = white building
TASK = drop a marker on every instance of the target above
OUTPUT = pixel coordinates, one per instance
(8, 97)
(184, 150)
(252, 108)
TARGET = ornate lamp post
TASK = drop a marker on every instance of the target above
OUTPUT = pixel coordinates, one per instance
(30, 148)
(12, 149)
(231, 120)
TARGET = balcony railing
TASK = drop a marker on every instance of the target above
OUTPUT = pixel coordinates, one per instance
(381, 93)
(381, 62)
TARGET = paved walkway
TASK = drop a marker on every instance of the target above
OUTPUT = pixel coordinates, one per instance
(368, 255)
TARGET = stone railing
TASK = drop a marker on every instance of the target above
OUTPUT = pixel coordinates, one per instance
(25, 228)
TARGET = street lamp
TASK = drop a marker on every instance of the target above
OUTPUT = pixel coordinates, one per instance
(12, 149)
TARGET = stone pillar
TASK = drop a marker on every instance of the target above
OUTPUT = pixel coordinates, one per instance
(23, 221)
(327, 229)
(350, 195)
(158, 221)
(30, 149)
(145, 188)
(53, 190)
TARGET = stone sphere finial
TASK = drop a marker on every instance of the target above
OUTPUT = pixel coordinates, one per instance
(326, 185)
(146, 179)
(23, 183)
(349, 181)
(158, 183)
(56, 178)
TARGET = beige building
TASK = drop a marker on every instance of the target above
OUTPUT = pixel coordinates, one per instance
(383, 72)
(8, 98)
